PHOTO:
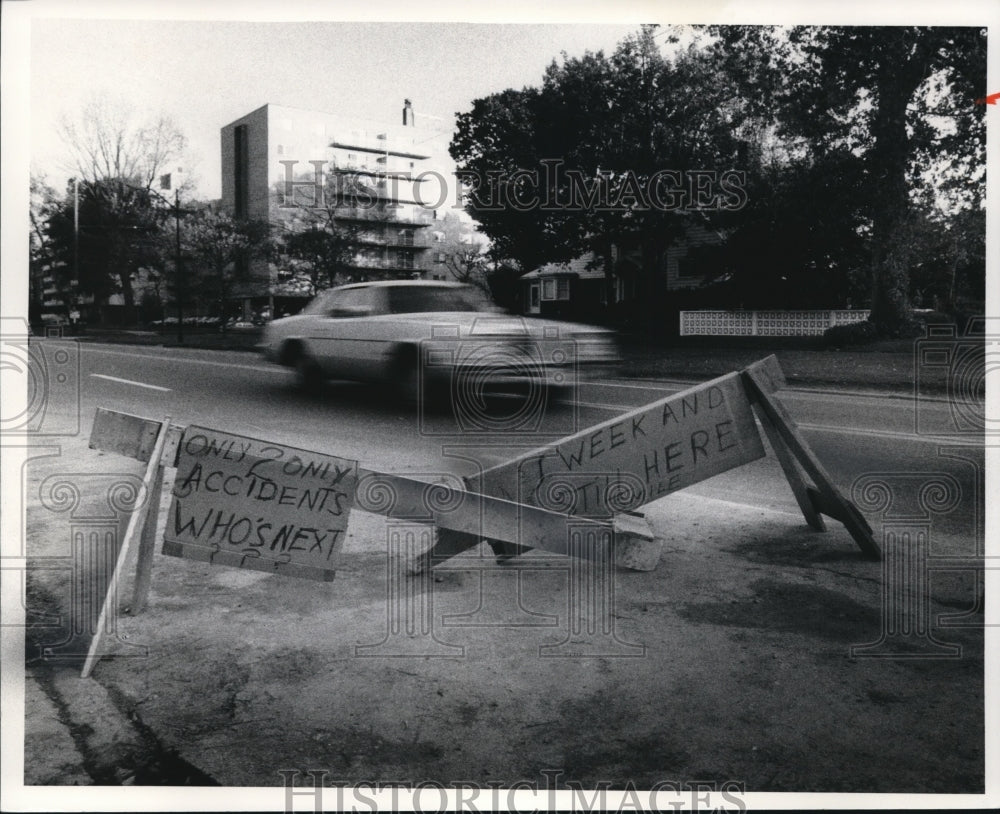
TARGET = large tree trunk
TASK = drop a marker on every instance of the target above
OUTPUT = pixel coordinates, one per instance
(898, 78)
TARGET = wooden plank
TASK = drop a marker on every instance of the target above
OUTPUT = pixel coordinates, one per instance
(477, 515)
(147, 542)
(836, 510)
(793, 474)
(628, 461)
(768, 373)
(831, 496)
(449, 544)
(124, 434)
(616, 466)
(255, 504)
(131, 531)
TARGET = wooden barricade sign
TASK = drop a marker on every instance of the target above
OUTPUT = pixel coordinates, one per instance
(633, 459)
(253, 504)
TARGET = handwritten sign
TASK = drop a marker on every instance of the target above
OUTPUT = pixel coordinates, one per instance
(255, 504)
(628, 461)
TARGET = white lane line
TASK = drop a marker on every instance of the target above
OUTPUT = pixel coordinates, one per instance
(262, 368)
(129, 381)
(889, 435)
(818, 392)
(661, 385)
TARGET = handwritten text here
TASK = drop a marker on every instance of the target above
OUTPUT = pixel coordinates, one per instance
(633, 459)
(255, 504)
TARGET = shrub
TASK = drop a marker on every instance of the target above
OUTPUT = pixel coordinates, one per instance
(857, 333)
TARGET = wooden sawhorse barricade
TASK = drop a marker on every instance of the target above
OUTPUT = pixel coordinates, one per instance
(250, 503)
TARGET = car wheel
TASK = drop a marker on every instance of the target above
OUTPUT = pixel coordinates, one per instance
(404, 376)
(308, 373)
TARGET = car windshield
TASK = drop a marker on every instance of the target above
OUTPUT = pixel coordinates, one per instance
(322, 302)
(423, 299)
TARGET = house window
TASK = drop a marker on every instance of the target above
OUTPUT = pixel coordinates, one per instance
(555, 289)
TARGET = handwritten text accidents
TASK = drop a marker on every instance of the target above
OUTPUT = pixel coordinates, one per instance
(260, 499)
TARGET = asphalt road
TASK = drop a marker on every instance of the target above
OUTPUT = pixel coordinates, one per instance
(853, 434)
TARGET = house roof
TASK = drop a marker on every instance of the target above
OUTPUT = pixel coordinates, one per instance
(584, 267)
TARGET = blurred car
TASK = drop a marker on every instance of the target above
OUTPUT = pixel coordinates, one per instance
(424, 334)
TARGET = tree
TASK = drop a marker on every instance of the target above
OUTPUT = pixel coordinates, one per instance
(41, 254)
(117, 160)
(577, 163)
(217, 250)
(117, 233)
(107, 142)
(321, 255)
(321, 242)
(460, 252)
(800, 240)
(901, 99)
(949, 270)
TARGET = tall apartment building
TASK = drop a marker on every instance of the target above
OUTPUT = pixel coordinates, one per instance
(278, 161)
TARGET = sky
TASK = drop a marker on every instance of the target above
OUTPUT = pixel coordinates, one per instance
(205, 63)
(205, 75)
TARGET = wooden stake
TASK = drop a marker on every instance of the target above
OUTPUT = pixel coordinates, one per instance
(827, 497)
(147, 546)
(792, 472)
(133, 529)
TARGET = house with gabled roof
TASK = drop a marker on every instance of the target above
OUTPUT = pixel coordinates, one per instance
(594, 288)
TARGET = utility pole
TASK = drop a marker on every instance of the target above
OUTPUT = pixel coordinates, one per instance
(166, 181)
(180, 272)
(76, 241)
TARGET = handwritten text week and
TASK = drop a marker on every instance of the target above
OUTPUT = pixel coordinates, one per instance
(673, 444)
(265, 498)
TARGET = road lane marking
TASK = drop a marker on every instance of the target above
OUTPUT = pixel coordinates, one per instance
(888, 435)
(669, 385)
(129, 381)
(661, 385)
(892, 435)
(263, 368)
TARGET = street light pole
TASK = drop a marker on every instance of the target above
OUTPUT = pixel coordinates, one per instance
(180, 273)
(76, 232)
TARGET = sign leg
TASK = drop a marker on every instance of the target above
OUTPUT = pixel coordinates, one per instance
(792, 472)
(827, 493)
(133, 527)
(147, 546)
(449, 544)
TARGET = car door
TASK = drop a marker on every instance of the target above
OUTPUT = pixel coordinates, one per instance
(347, 344)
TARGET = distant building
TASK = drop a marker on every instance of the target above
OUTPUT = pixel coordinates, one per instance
(596, 288)
(277, 162)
